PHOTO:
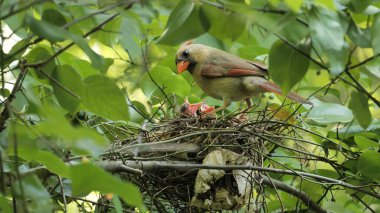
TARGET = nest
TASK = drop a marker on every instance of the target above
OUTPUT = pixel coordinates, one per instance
(171, 155)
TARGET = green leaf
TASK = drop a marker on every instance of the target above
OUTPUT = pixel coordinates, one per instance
(359, 106)
(52, 162)
(39, 54)
(364, 143)
(70, 80)
(4, 92)
(165, 78)
(288, 66)
(4, 204)
(361, 5)
(252, 51)
(38, 198)
(136, 111)
(327, 34)
(375, 33)
(53, 17)
(87, 178)
(110, 32)
(54, 34)
(294, 5)
(102, 97)
(186, 21)
(360, 37)
(130, 32)
(373, 68)
(83, 67)
(59, 131)
(16, 52)
(45, 29)
(369, 164)
(97, 60)
(117, 204)
(326, 3)
(225, 24)
(325, 113)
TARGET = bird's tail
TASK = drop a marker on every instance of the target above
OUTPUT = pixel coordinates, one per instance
(271, 87)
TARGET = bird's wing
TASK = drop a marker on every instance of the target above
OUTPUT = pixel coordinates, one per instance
(227, 65)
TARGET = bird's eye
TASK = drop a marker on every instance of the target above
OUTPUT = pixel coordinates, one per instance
(186, 53)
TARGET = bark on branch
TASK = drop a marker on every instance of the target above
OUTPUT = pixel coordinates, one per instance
(146, 166)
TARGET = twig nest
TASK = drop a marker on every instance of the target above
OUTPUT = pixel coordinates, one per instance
(222, 141)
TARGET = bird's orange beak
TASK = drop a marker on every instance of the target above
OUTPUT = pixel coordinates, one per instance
(182, 66)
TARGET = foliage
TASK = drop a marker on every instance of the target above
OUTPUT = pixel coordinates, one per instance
(75, 75)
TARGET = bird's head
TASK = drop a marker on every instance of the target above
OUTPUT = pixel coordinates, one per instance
(188, 55)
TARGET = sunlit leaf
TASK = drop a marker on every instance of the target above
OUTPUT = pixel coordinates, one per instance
(294, 5)
(282, 113)
(4, 204)
(82, 67)
(110, 32)
(364, 143)
(361, 5)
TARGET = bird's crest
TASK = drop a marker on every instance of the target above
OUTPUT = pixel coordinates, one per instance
(188, 42)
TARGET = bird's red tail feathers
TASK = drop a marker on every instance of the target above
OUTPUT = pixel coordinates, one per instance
(271, 87)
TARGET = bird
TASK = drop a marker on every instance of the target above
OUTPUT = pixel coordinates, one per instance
(195, 110)
(225, 76)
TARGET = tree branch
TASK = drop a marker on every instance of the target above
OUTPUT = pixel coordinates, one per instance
(365, 61)
(13, 12)
(5, 114)
(295, 192)
(360, 88)
(187, 166)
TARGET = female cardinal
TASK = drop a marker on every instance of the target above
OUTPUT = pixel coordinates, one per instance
(227, 77)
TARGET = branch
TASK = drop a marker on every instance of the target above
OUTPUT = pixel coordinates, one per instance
(365, 61)
(295, 192)
(105, 9)
(188, 166)
(11, 13)
(5, 114)
(93, 30)
(58, 84)
(175, 139)
(360, 88)
(43, 63)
